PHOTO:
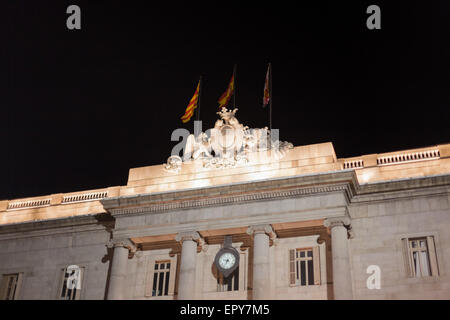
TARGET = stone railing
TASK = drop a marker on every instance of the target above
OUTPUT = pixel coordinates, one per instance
(353, 164)
(14, 205)
(84, 197)
(408, 157)
(58, 199)
(385, 159)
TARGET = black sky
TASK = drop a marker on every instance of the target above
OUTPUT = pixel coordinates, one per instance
(79, 108)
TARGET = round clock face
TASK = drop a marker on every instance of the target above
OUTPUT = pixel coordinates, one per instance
(227, 260)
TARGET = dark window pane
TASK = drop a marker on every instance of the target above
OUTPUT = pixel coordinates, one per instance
(160, 284)
(10, 283)
(74, 294)
(302, 254)
(155, 279)
(168, 266)
(309, 253)
(310, 272)
(69, 294)
(64, 288)
(156, 266)
(302, 273)
(14, 289)
(166, 284)
(162, 265)
(298, 270)
(296, 254)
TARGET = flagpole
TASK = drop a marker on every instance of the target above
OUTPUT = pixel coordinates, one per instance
(199, 99)
(234, 85)
(271, 96)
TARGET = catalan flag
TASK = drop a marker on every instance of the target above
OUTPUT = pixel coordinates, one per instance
(226, 96)
(191, 106)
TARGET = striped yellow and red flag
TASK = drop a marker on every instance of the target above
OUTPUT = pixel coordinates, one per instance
(226, 96)
(191, 106)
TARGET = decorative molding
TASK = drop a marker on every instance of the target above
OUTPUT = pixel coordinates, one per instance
(260, 228)
(353, 164)
(189, 235)
(124, 243)
(336, 222)
(340, 222)
(202, 244)
(321, 239)
(16, 205)
(238, 198)
(136, 253)
(192, 236)
(263, 228)
(82, 223)
(409, 157)
(82, 197)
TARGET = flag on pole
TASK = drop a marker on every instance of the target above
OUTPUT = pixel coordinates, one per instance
(226, 96)
(191, 106)
(267, 97)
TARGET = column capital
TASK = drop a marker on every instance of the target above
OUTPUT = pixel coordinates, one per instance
(262, 228)
(343, 221)
(187, 235)
(202, 245)
(133, 250)
(337, 221)
(124, 243)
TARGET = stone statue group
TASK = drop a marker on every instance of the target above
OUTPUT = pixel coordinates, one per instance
(227, 144)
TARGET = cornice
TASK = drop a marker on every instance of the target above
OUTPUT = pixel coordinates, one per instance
(402, 189)
(235, 198)
(276, 189)
(64, 225)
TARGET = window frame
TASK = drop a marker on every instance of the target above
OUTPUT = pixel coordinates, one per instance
(152, 259)
(17, 285)
(61, 279)
(157, 278)
(432, 256)
(293, 269)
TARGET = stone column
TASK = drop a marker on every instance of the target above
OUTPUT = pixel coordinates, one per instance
(117, 283)
(186, 281)
(342, 281)
(261, 263)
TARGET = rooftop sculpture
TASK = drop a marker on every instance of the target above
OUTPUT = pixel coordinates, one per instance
(228, 144)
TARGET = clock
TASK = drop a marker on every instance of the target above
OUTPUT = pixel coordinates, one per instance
(227, 259)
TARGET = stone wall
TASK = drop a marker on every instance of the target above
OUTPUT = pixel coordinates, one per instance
(379, 227)
(41, 256)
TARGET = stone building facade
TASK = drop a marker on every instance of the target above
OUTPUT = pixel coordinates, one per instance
(307, 226)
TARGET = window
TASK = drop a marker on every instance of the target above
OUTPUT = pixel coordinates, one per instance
(10, 286)
(304, 267)
(420, 257)
(161, 277)
(230, 283)
(71, 283)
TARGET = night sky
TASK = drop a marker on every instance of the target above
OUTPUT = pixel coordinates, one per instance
(79, 108)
